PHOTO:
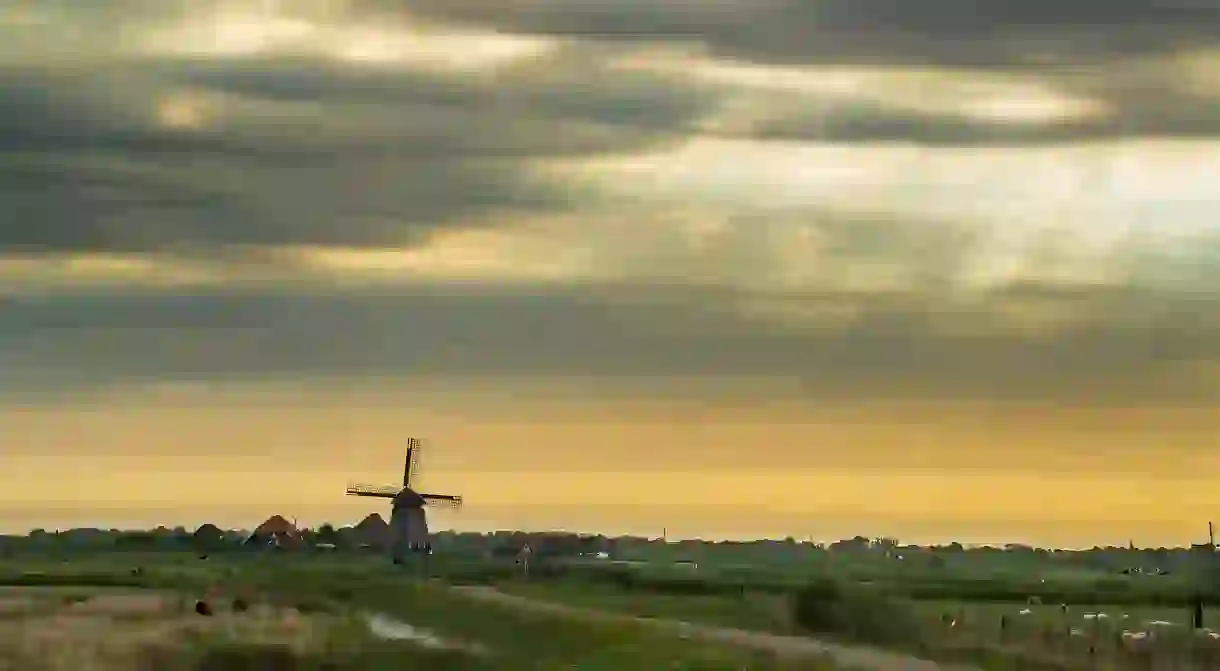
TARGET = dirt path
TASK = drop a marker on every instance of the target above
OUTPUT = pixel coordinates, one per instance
(853, 657)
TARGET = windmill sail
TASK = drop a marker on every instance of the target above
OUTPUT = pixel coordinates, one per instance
(408, 521)
(378, 491)
(408, 468)
(442, 500)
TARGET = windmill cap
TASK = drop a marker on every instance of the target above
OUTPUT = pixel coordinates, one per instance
(408, 498)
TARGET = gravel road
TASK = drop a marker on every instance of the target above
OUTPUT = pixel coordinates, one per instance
(852, 657)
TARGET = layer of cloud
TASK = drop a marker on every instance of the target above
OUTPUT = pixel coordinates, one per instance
(1105, 71)
(888, 32)
(907, 349)
(865, 199)
(839, 308)
(153, 146)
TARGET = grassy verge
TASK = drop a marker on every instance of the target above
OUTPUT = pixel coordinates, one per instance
(520, 639)
(512, 638)
(754, 612)
(992, 636)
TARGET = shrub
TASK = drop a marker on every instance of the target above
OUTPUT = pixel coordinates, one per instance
(857, 613)
(245, 657)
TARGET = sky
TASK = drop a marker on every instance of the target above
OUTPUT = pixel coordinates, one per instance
(938, 270)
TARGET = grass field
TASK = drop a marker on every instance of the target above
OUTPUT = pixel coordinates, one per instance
(1116, 615)
(330, 592)
(74, 614)
(761, 611)
(769, 612)
(115, 628)
(991, 634)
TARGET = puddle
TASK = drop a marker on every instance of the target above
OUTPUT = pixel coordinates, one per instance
(387, 628)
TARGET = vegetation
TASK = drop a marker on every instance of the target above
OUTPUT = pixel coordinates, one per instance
(483, 636)
(994, 607)
(856, 613)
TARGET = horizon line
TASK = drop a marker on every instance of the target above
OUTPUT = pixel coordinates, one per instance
(826, 542)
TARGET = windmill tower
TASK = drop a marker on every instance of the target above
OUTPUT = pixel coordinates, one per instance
(408, 522)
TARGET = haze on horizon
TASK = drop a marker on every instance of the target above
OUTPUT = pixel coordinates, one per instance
(734, 268)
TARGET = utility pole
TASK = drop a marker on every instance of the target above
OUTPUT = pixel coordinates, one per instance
(523, 558)
(1205, 577)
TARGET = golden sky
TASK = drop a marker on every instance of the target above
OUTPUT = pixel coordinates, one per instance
(728, 465)
(836, 269)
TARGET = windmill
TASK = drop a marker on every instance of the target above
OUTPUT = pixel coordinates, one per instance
(408, 522)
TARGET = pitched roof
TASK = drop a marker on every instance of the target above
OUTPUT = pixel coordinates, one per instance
(276, 525)
(408, 498)
(372, 522)
(373, 530)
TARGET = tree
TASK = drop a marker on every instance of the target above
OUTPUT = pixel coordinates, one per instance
(328, 535)
(208, 538)
(136, 540)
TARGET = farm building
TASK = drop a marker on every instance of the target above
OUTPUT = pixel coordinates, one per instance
(374, 532)
(275, 532)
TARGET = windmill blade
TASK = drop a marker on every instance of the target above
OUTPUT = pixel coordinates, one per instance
(443, 503)
(442, 500)
(408, 468)
(377, 491)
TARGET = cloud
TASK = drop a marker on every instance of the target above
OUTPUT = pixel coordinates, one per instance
(954, 33)
(176, 137)
(152, 148)
(862, 199)
(844, 71)
(1131, 347)
(1147, 99)
(840, 307)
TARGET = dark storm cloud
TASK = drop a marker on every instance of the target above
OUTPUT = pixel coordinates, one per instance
(108, 339)
(1080, 48)
(886, 32)
(878, 32)
(105, 206)
(1179, 117)
(875, 123)
(305, 150)
(83, 169)
(364, 113)
(1147, 104)
(572, 84)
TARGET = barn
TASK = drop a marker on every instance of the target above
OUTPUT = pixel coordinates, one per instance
(374, 532)
(275, 532)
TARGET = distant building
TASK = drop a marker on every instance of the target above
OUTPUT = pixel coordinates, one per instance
(275, 532)
(374, 532)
